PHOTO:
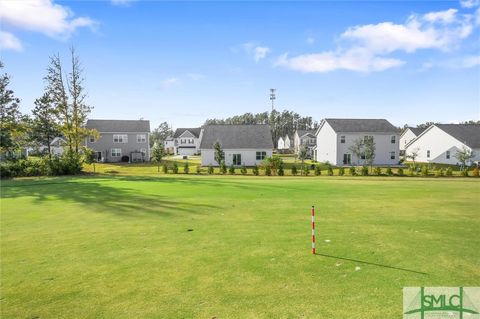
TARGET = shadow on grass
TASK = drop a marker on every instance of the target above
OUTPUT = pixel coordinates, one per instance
(370, 263)
(103, 198)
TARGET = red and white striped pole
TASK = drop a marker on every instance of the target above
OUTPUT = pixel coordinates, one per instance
(313, 230)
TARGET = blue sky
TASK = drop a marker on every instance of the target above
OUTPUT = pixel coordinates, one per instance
(184, 62)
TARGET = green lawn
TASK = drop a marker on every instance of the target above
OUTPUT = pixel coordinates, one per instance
(120, 246)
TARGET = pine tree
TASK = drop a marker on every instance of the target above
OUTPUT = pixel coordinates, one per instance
(44, 126)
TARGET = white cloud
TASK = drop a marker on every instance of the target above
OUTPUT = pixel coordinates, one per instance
(470, 61)
(9, 42)
(170, 82)
(469, 3)
(365, 48)
(477, 17)
(42, 16)
(353, 60)
(260, 53)
(310, 40)
(255, 51)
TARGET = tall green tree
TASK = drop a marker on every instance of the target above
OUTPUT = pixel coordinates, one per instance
(10, 117)
(157, 154)
(302, 155)
(160, 134)
(369, 150)
(219, 155)
(44, 126)
(70, 100)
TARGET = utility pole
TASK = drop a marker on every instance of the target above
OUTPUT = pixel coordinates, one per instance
(272, 97)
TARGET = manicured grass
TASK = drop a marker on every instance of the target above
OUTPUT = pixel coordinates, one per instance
(120, 246)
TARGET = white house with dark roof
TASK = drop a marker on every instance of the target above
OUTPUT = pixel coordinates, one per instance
(439, 143)
(187, 141)
(283, 143)
(408, 135)
(119, 138)
(304, 137)
(336, 136)
(242, 144)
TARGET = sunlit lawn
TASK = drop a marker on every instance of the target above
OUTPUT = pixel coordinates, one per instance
(185, 246)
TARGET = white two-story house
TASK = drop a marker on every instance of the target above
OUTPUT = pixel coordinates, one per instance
(440, 143)
(335, 137)
(408, 135)
(187, 141)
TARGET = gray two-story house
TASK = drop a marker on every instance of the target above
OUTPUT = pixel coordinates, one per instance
(120, 139)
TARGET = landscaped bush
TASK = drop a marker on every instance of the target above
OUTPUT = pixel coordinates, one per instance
(125, 158)
(425, 170)
(364, 170)
(268, 171)
(175, 168)
(306, 170)
(411, 171)
(165, 169)
(67, 164)
(449, 171)
(377, 171)
(243, 170)
(318, 170)
(294, 170)
(439, 172)
(223, 168)
(389, 171)
(475, 172)
(199, 169)
(186, 168)
(400, 172)
(280, 171)
(210, 169)
(329, 171)
(352, 171)
(231, 170)
(465, 172)
(341, 171)
(255, 170)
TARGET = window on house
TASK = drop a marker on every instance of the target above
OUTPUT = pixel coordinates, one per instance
(237, 159)
(141, 138)
(393, 139)
(392, 155)
(362, 155)
(447, 154)
(120, 138)
(91, 139)
(428, 153)
(342, 139)
(261, 156)
(116, 152)
(143, 151)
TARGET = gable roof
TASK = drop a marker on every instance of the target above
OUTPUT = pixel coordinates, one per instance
(469, 134)
(305, 132)
(119, 126)
(237, 136)
(194, 130)
(362, 125)
(417, 130)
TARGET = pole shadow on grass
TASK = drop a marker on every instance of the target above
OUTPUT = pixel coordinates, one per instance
(370, 263)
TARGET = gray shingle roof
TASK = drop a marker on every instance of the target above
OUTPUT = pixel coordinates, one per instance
(119, 126)
(417, 130)
(194, 130)
(468, 134)
(237, 136)
(362, 125)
